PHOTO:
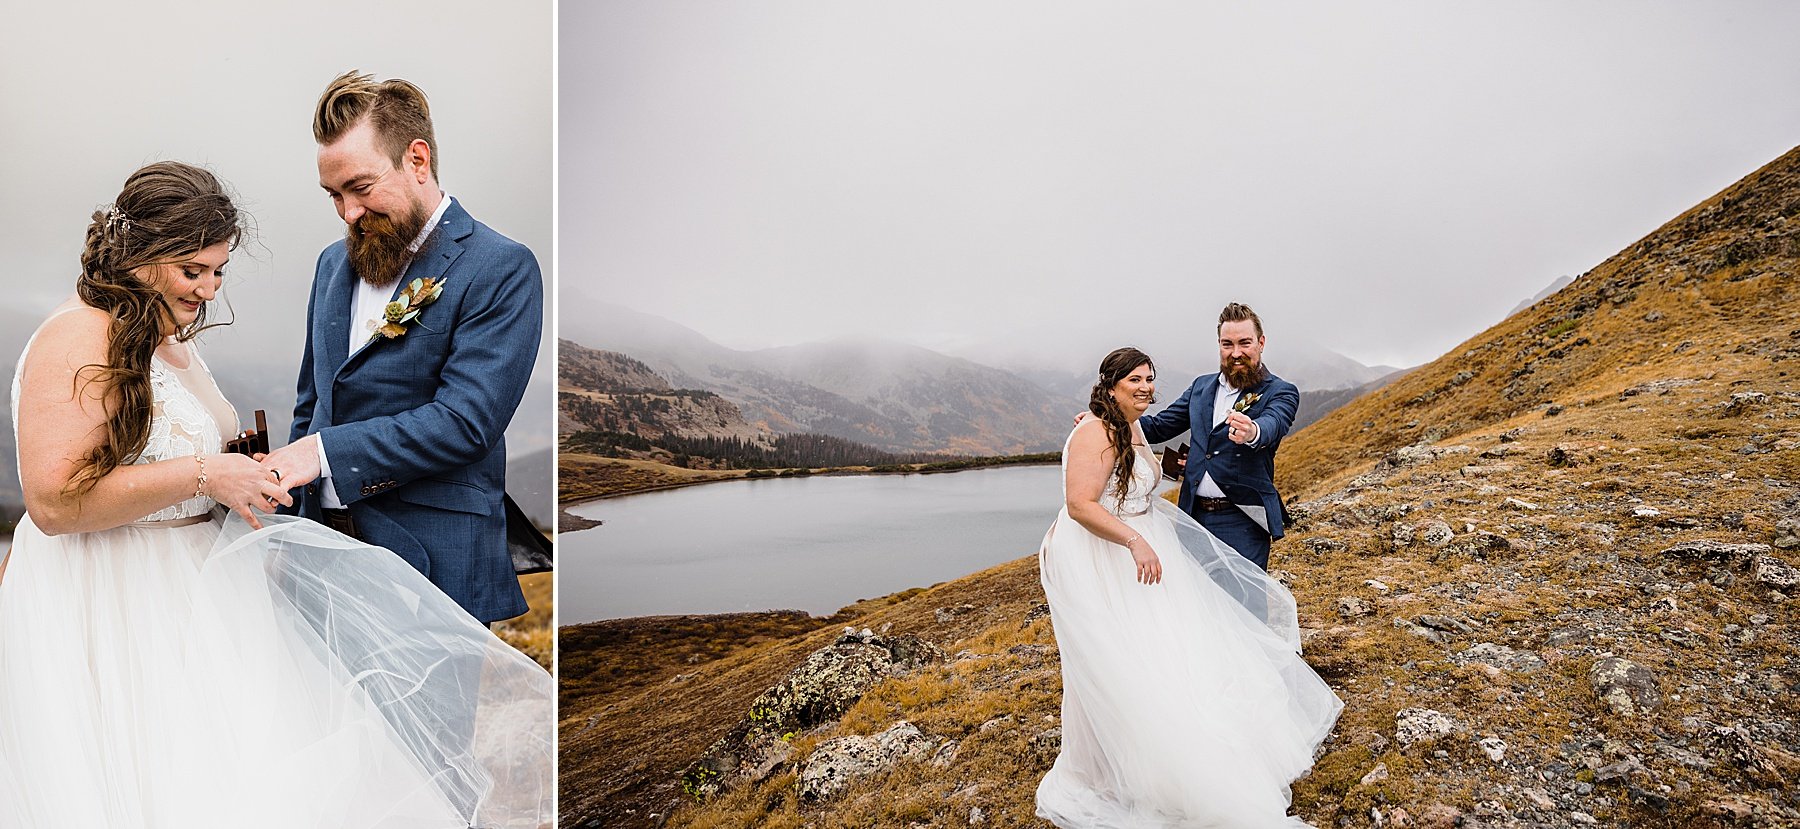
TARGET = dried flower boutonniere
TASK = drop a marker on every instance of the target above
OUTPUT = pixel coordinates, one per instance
(1245, 402)
(418, 294)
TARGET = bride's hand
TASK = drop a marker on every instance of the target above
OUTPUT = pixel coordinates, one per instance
(1149, 567)
(243, 486)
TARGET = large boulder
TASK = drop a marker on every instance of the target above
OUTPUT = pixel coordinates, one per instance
(817, 692)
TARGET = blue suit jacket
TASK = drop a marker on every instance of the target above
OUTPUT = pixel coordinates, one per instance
(415, 426)
(1246, 475)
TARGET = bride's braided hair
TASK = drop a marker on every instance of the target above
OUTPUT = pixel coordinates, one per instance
(166, 211)
(1117, 366)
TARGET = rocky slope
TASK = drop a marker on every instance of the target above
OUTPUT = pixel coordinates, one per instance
(609, 391)
(1552, 574)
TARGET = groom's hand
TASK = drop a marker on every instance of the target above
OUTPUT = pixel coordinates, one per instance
(1240, 428)
(296, 464)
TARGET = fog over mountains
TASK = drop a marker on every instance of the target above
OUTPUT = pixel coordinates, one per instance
(893, 395)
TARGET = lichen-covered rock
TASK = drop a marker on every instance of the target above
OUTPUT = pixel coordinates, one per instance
(1413, 725)
(1499, 656)
(1716, 552)
(838, 762)
(1787, 534)
(1351, 607)
(819, 691)
(1436, 534)
(1773, 572)
(1626, 687)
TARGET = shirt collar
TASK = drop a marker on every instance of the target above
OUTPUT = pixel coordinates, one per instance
(443, 206)
(1226, 385)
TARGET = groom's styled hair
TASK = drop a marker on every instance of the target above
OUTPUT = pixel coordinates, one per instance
(395, 108)
(1235, 312)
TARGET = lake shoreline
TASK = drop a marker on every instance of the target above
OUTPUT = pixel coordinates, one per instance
(565, 518)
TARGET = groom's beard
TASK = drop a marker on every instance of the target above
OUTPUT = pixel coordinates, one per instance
(380, 244)
(1242, 374)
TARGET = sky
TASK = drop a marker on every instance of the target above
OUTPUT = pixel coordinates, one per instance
(89, 92)
(1031, 183)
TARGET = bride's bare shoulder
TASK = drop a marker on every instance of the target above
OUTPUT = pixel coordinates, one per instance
(73, 332)
(1090, 435)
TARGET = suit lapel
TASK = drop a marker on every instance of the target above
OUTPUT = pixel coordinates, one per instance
(1209, 395)
(440, 251)
(335, 339)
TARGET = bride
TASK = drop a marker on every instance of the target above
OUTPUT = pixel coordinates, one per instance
(173, 656)
(1185, 702)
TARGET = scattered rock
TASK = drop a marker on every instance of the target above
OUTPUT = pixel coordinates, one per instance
(1436, 534)
(1047, 742)
(1420, 631)
(1440, 816)
(1377, 584)
(946, 754)
(1351, 607)
(1482, 471)
(1499, 656)
(1718, 552)
(1732, 744)
(838, 762)
(1773, 572)
(1413, 725)
(1787, 534)
(1614, 772)
(1493, 747)
(1448, 624)
(1625, 686)
(1645, 512)
(1037, 611)
(1284, 577)
(1376, 775)
(995, 724)
(1524, 505)
(976, 816)
(945, 614)
(1539, 798)
(1743, 401)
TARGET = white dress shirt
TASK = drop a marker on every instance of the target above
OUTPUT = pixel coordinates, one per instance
(370, 306)
(1222, 403)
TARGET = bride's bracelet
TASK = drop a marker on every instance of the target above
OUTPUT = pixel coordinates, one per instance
(200, 480)
(1127, 542)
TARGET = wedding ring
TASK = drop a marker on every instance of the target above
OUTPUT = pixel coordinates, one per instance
(277, 475)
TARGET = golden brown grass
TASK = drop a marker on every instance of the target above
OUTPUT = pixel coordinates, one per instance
(534, 634)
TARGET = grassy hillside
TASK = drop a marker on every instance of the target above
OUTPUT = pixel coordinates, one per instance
(1613, 473)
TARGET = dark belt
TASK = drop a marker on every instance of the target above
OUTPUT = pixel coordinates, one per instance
(340, 520)
(1205, 504)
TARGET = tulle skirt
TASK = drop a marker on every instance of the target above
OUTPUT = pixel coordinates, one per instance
(210, 675)
(1185, 704)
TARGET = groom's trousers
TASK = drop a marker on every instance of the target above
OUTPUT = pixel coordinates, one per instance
(1233, 527)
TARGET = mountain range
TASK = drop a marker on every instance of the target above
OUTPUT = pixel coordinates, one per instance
(892, 396)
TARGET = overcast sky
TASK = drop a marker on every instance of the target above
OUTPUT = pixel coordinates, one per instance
(1040, 181)
(91, 91)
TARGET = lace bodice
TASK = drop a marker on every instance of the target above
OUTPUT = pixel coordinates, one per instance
(1144, 475)
(181, 422)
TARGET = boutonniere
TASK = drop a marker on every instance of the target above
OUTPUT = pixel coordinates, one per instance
(1245, 402)
(395, 316)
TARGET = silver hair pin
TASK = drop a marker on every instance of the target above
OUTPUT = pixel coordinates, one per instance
(117, 218)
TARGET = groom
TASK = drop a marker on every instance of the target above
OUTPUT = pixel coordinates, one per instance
(422, 328)
(1238, 418)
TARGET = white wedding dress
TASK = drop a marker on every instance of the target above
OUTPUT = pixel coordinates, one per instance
(187, 672)
(1186, 703)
